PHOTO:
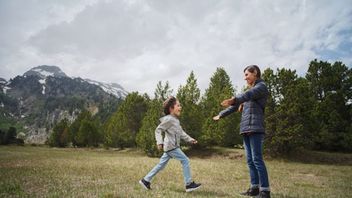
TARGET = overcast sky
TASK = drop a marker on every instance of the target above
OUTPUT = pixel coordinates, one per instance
(137, 43)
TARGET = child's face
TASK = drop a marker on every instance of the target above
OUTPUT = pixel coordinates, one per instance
(176, 110)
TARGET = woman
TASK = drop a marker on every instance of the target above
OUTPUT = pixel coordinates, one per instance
(252, 128)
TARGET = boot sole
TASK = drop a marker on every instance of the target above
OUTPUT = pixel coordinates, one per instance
(255, 196)
(192, 189)
(141, 183)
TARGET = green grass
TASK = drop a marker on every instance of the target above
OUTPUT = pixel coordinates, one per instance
(50, 172)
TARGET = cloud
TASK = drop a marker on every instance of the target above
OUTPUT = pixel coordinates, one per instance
(20, 20)
(137, 43)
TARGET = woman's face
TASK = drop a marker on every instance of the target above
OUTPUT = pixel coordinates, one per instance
(250, 77)
(176, 110)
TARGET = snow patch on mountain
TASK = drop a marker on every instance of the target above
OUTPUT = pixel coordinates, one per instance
(44, 73)
(111, 88)
(42, 81)
(5, 89)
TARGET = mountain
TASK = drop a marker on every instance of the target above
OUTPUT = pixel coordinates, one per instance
(35, 101)
(45, 71)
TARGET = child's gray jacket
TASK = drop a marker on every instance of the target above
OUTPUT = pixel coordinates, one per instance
(170, 125)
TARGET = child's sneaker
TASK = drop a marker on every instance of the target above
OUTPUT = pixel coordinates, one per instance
(192, 186)
(145, 184)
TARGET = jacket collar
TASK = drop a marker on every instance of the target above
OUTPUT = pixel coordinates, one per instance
(258, 81)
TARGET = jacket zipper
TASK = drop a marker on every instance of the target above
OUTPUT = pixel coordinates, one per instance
(250, 115)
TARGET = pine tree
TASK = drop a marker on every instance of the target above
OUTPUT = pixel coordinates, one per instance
(270, 109)
(191, 118)
(332, 89)
(88, 133)
(75, 126)
(146, 135)
(60, 135)
(162, 92)
(225, 131)
(9, 137)
(289, 116)
(121, 129)
(2, 137)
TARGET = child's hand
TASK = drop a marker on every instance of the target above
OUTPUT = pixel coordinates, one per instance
(216, 118)
(194, 141)
(160, 147)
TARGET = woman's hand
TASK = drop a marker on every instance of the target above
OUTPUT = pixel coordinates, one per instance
(228, 102)
(160, 147)
(240, 108)
(216, 118)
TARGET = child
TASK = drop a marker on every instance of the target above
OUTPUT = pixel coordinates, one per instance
(170, 125)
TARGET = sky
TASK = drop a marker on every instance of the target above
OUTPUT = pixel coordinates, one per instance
(137, 43)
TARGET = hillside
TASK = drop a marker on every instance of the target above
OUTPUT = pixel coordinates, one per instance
(44, 95)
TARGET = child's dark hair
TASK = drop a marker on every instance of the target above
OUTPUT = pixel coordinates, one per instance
(252, 69)
(170, 102)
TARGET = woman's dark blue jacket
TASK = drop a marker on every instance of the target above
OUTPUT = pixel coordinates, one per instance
(254, 101)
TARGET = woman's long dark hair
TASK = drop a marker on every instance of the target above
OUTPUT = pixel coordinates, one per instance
(253, 69)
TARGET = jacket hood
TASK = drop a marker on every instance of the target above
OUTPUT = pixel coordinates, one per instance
(162, 119)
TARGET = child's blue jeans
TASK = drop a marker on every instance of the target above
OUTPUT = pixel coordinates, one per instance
(177, 154)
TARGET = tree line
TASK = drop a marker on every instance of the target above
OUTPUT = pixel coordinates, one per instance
(312, 111)
(10, 136)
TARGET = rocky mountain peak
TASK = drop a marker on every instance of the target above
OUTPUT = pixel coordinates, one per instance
(44, 71)
(3, 81)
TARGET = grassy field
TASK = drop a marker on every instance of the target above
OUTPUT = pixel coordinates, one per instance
(51, 172)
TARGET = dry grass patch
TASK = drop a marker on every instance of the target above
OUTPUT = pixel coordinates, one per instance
(50, 172)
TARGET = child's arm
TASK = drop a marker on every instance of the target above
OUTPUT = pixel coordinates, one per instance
(163, 126)
(187, 138)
